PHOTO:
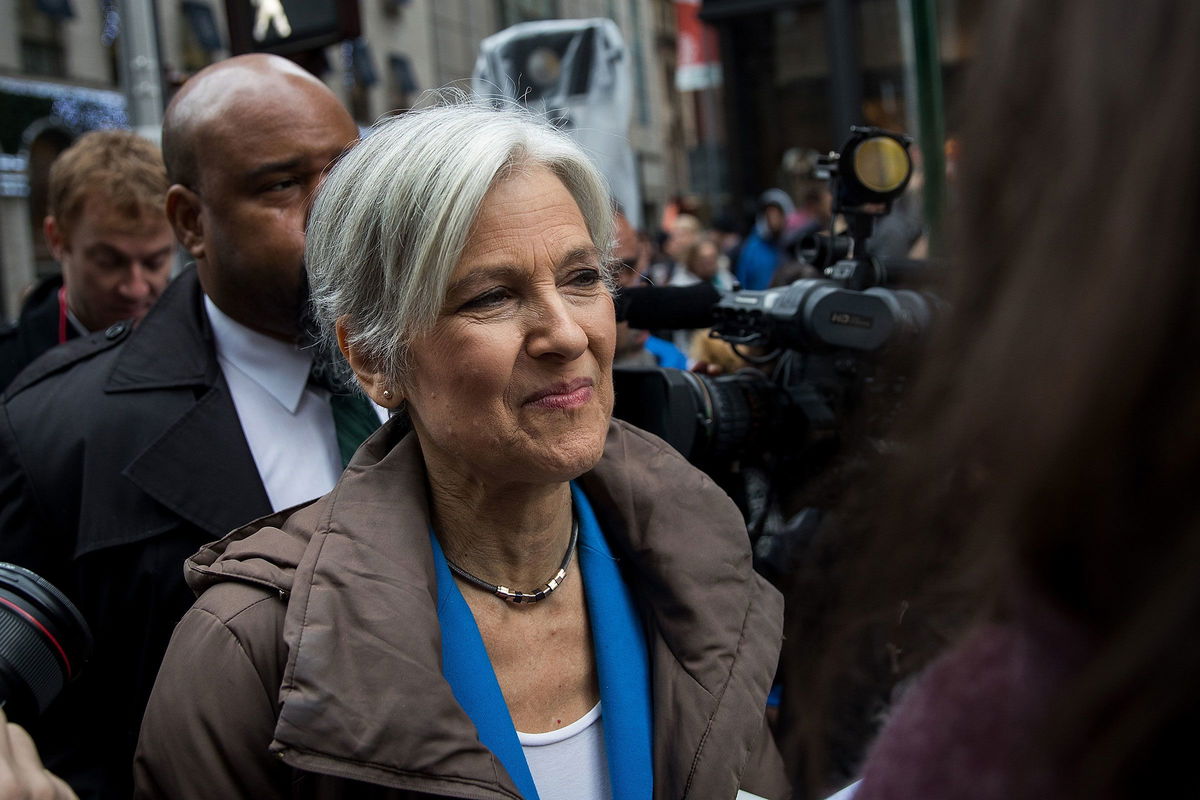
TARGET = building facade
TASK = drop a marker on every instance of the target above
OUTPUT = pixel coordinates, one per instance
(61, 65)
(799, 73)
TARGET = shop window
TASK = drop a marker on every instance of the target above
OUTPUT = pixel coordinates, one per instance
(41, 37)
(43, 150)
(510, 12)
(200, 38)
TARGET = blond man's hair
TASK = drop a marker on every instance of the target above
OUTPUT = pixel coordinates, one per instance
(126, 169)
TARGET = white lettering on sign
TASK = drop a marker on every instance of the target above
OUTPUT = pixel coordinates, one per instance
(270, 12)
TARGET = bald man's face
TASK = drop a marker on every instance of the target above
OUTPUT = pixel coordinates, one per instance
(260, 160)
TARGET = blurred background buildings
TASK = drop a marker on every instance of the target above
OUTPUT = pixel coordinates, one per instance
(730, 97)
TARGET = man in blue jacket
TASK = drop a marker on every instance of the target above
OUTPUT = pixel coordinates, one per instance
(762, 251)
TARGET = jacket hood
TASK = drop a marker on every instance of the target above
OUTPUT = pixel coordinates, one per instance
(772, 197)
(776, 197)
(357, 572)
(269, 560)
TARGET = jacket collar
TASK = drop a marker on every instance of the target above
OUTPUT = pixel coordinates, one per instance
(715, 624)
(176, 325)
(42, 295)
(37, 326)
(280, 368)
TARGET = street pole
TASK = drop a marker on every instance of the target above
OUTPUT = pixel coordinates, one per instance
(845, 74)
(921, 34)
(141, 73)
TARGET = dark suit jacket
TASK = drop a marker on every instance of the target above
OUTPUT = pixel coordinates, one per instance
(120, 454)
(35, 332)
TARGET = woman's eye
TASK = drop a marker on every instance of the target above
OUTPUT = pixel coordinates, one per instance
(585, 278)
(486, 300)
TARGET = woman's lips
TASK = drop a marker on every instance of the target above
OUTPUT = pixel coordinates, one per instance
(564, 396)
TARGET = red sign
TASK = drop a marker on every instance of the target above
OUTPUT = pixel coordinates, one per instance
(698, 63)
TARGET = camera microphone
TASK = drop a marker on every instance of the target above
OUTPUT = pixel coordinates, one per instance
(667, 307)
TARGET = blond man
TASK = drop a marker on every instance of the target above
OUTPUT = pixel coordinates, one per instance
(108, 230)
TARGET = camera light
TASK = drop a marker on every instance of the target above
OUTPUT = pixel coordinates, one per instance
(881, 164)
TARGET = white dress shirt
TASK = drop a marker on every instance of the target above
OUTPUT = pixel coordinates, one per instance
(287, 423)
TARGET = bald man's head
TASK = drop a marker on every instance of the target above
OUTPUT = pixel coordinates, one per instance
(247, 142)
(217, 91)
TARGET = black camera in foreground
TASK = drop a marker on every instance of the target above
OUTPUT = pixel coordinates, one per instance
(815, 351)
(44, 643)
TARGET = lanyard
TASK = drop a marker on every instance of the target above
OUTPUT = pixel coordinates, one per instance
(62, 314)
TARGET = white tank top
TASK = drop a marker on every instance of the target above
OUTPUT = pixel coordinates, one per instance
(569, 763)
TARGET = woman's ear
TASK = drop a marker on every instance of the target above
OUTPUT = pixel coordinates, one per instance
(374, 383)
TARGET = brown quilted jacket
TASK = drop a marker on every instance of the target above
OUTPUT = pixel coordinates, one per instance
(309, 666)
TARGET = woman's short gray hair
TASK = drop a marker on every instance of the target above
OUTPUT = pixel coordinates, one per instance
(392, 219)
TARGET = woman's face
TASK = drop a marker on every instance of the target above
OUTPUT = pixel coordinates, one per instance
(514, 381)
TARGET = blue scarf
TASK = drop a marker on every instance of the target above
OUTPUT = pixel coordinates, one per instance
(622, 661)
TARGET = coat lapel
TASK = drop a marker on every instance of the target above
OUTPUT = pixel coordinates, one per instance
(200, 468)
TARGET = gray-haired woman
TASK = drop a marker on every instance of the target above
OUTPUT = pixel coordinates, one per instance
(521, 598)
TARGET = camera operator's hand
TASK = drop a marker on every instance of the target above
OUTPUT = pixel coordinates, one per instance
(22, 776)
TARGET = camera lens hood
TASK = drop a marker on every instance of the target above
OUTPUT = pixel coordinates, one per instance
(44, 642)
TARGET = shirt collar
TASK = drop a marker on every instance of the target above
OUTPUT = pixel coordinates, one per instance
(278, 367)
(79, 327)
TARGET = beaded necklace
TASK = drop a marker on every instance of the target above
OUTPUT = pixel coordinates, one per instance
(513, 596)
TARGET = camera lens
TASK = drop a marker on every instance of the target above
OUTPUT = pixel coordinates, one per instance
(709, 420)
(741, 410)
(44, 642)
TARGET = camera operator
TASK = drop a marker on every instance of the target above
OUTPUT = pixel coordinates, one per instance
(1037, 532)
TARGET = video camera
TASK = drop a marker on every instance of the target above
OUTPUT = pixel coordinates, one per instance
(813, 351)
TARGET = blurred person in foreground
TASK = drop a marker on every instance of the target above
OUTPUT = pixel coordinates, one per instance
(108, 231)
(122, 454)
(367, 645)
(1039, 527)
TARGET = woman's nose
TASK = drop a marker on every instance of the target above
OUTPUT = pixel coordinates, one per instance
(555, 331)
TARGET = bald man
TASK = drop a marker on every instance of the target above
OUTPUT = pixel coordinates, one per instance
(125, 452)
